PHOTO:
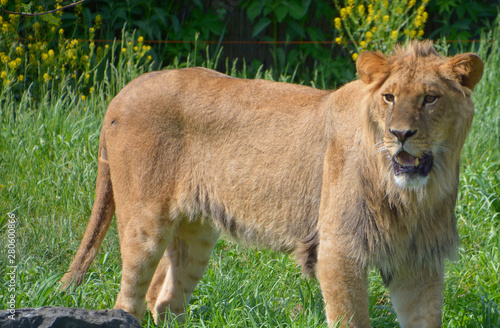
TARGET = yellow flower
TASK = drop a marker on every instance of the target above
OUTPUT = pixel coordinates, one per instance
(394, 35)
(412, 3)
(13, 65)
(413, 33)
(399, 10)
(369, 35)
(91, 90)
(124, 50)
(61, 32)
(338, 23)
(6, 82)
(338, 40)
(355, 56)
(84, 97)
(46, 77)
(98, 21)
(361, 10)
(136, 48)
(3, 75)
(343, 13)
(51, 53)
(386, 3)
(70, 54)
(418, 21)
(370, 9)
(385, 18)
(91, 30)
(425, 15)
(140, 39)
(350, 2)
(20, 78)
(362, 44)
(374, 29)
(421, 10)
(421, 33)
(149, 58)
(106, 46)
(13, 18)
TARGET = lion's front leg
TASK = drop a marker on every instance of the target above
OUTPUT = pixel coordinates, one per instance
(418, 299)
(344, 286)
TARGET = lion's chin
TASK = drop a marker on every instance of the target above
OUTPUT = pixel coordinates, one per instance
(410, 171)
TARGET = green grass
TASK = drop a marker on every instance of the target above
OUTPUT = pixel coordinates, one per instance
(48, 169)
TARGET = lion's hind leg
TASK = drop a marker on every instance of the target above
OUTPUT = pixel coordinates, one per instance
(181, 268)
(144, 235)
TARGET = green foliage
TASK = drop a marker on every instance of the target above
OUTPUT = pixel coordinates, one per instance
(275, 12)
(461, 20)
(171, 20)
(299, 20)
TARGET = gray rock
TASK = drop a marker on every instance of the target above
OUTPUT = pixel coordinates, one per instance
(61, 317)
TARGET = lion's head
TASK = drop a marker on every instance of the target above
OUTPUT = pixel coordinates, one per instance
(419, 109)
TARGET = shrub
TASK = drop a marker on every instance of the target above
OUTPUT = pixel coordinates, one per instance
(378, 25)
(36, 54)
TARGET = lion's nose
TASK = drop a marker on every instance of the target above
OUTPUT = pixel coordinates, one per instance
(403, 135)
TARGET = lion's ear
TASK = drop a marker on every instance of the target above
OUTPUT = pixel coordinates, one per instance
(466, 68)
(372, 66)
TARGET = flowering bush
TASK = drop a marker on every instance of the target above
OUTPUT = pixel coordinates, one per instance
(36, 53)
(378, 25)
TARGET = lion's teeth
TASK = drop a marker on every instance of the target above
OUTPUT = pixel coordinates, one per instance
(406, 159)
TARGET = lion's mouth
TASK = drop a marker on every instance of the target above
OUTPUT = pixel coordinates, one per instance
(405, 163)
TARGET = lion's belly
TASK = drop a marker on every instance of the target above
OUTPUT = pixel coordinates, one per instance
(267, 200)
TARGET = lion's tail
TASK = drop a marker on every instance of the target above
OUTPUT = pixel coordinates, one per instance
(102, 214)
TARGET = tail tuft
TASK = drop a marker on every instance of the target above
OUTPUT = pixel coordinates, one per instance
(307, 253)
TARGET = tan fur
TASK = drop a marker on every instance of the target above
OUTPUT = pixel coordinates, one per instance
(187, 153)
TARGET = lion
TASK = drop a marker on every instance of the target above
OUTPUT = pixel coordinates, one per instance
(364, 176)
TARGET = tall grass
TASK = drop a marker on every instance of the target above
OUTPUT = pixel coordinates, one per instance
(473, 281)
(48, 169)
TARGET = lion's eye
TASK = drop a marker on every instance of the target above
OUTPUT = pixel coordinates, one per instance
(388, 98)
(430, 99)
